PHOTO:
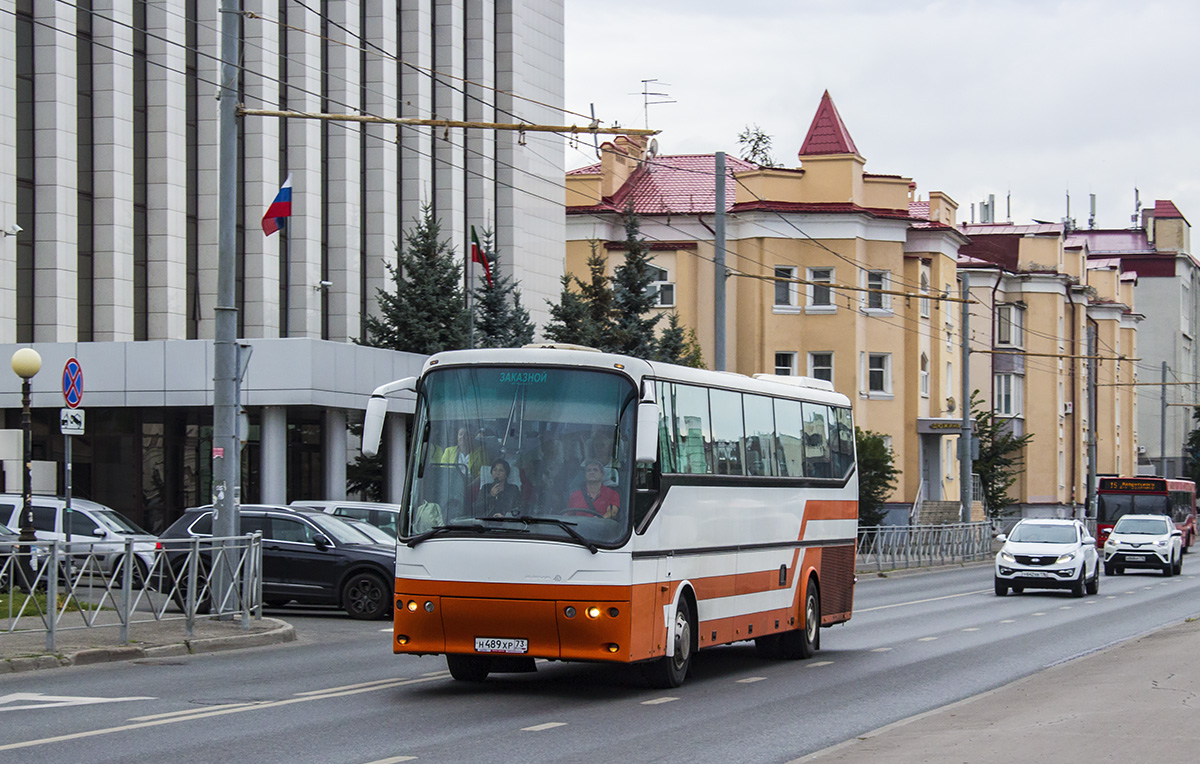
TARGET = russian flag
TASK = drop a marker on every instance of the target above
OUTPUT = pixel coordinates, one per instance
(280, 209)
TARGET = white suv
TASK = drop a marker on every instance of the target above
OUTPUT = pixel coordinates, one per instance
(383, 516)
(101, 529)
(1144, 541)
(1048, 554)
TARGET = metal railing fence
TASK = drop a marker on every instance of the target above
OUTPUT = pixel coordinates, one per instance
(52, 586)
(888, 547)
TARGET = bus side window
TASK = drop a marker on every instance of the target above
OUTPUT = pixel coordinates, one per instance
(666, 427)
(692, 425)
(789, 432)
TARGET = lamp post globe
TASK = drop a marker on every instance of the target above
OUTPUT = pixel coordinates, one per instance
(26, 362)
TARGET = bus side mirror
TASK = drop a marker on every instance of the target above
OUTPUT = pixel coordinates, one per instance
(647, 432)
(377, 412)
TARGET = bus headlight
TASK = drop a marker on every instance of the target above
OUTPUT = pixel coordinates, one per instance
(412, 606)
(593, 612)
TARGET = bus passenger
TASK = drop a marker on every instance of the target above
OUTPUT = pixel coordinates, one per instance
(594, 497)
(462, 453)
(500, 497)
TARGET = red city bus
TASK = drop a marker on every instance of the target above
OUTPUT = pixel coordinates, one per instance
(1119, 496)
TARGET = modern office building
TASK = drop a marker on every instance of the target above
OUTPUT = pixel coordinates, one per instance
(109, 208)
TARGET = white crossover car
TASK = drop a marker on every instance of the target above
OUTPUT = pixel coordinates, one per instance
(1048, 554)
(1144, 541)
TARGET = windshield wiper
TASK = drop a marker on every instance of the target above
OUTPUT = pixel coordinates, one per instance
(440, 529)
(569, 527)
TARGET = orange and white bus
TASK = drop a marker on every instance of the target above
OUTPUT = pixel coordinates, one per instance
(568, 504)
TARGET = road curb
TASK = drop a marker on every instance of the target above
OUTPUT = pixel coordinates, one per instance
(280, 633)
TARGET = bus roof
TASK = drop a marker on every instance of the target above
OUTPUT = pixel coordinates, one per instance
(637, 369)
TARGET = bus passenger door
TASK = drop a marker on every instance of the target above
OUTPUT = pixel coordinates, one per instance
(664, 604)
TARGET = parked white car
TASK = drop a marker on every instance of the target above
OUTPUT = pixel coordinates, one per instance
(1048, 554)
(95, 529)
(383, 516)
(1144, 541)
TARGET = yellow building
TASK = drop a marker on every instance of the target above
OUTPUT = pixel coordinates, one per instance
(1040, 314)
(834, 273)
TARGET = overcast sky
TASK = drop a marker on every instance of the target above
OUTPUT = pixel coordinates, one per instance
(1032, 97)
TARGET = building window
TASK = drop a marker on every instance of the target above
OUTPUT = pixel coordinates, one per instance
(1185, 308)
(662, 288)
(1008, 395)
(923, 304)
(820, 366)
(787, 292)
(924, 376)
(875, 299)
(785, 364)
(820, 295)
(879, 373)
(1010, 325)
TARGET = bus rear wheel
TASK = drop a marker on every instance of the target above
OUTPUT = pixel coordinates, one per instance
(805, 641)
(468, 668)
(670, 670)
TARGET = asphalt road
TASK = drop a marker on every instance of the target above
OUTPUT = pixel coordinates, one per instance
(916, 642)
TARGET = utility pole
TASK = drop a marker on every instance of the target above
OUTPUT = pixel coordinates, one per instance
(1162, 430)
(719, 268)
(226, 447)
(1093, 408)
(965, 438)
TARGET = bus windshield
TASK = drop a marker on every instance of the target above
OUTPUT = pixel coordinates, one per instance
(1112, 506)
(522, 451)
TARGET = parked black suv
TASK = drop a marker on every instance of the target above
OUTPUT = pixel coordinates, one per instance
(308, 556)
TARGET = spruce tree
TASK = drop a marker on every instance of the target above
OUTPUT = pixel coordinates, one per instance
(500, 319)
(678, 344)
(568, 317)
(633, 301)
(584, 313)
(425, 312)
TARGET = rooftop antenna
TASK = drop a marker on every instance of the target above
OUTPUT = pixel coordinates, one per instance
(1008, 206)
(1068, 223)
(647, 94)
(1092, 216)
(595, 137)
(1137, 207)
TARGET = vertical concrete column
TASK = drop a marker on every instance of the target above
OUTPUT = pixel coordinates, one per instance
(208, 74)
(343, 243)
(334, 456)
(55, 317)
(261, 176)
(166, 160)
(273, 458)
(8, 171)
(112, 161)
(416, 101)
(449, 59)
(395, 431)
(305, 229)
(480, 100)
(382, 206)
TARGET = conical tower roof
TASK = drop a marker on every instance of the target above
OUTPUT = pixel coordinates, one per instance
(827, 134)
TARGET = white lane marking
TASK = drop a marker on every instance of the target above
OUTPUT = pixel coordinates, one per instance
(1008, 620)
(360, 686)
(546, 726)
(1111, 597)
(206, 713)
(189, 711)
(393, 760)
(920, 602)
(656, 701)
(881, 649)
(1065, 607)
(751, 679)
(389, 631)
(1090, 602)
(971, 629)
(818, 664)
(926, 639)
(1037, 613)
(23, 701)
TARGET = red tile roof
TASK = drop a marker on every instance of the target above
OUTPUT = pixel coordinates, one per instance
(827, 134)
(682, 184)
(1165, 208)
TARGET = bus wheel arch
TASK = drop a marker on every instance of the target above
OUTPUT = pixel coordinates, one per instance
(671, 669)
(804, 641)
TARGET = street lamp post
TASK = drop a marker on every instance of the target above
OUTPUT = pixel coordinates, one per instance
(26, 363)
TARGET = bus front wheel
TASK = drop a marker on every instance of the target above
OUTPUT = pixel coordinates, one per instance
(670, 670)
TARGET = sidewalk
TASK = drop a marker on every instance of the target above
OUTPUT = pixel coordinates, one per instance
(26, 651)
(1138, 699)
